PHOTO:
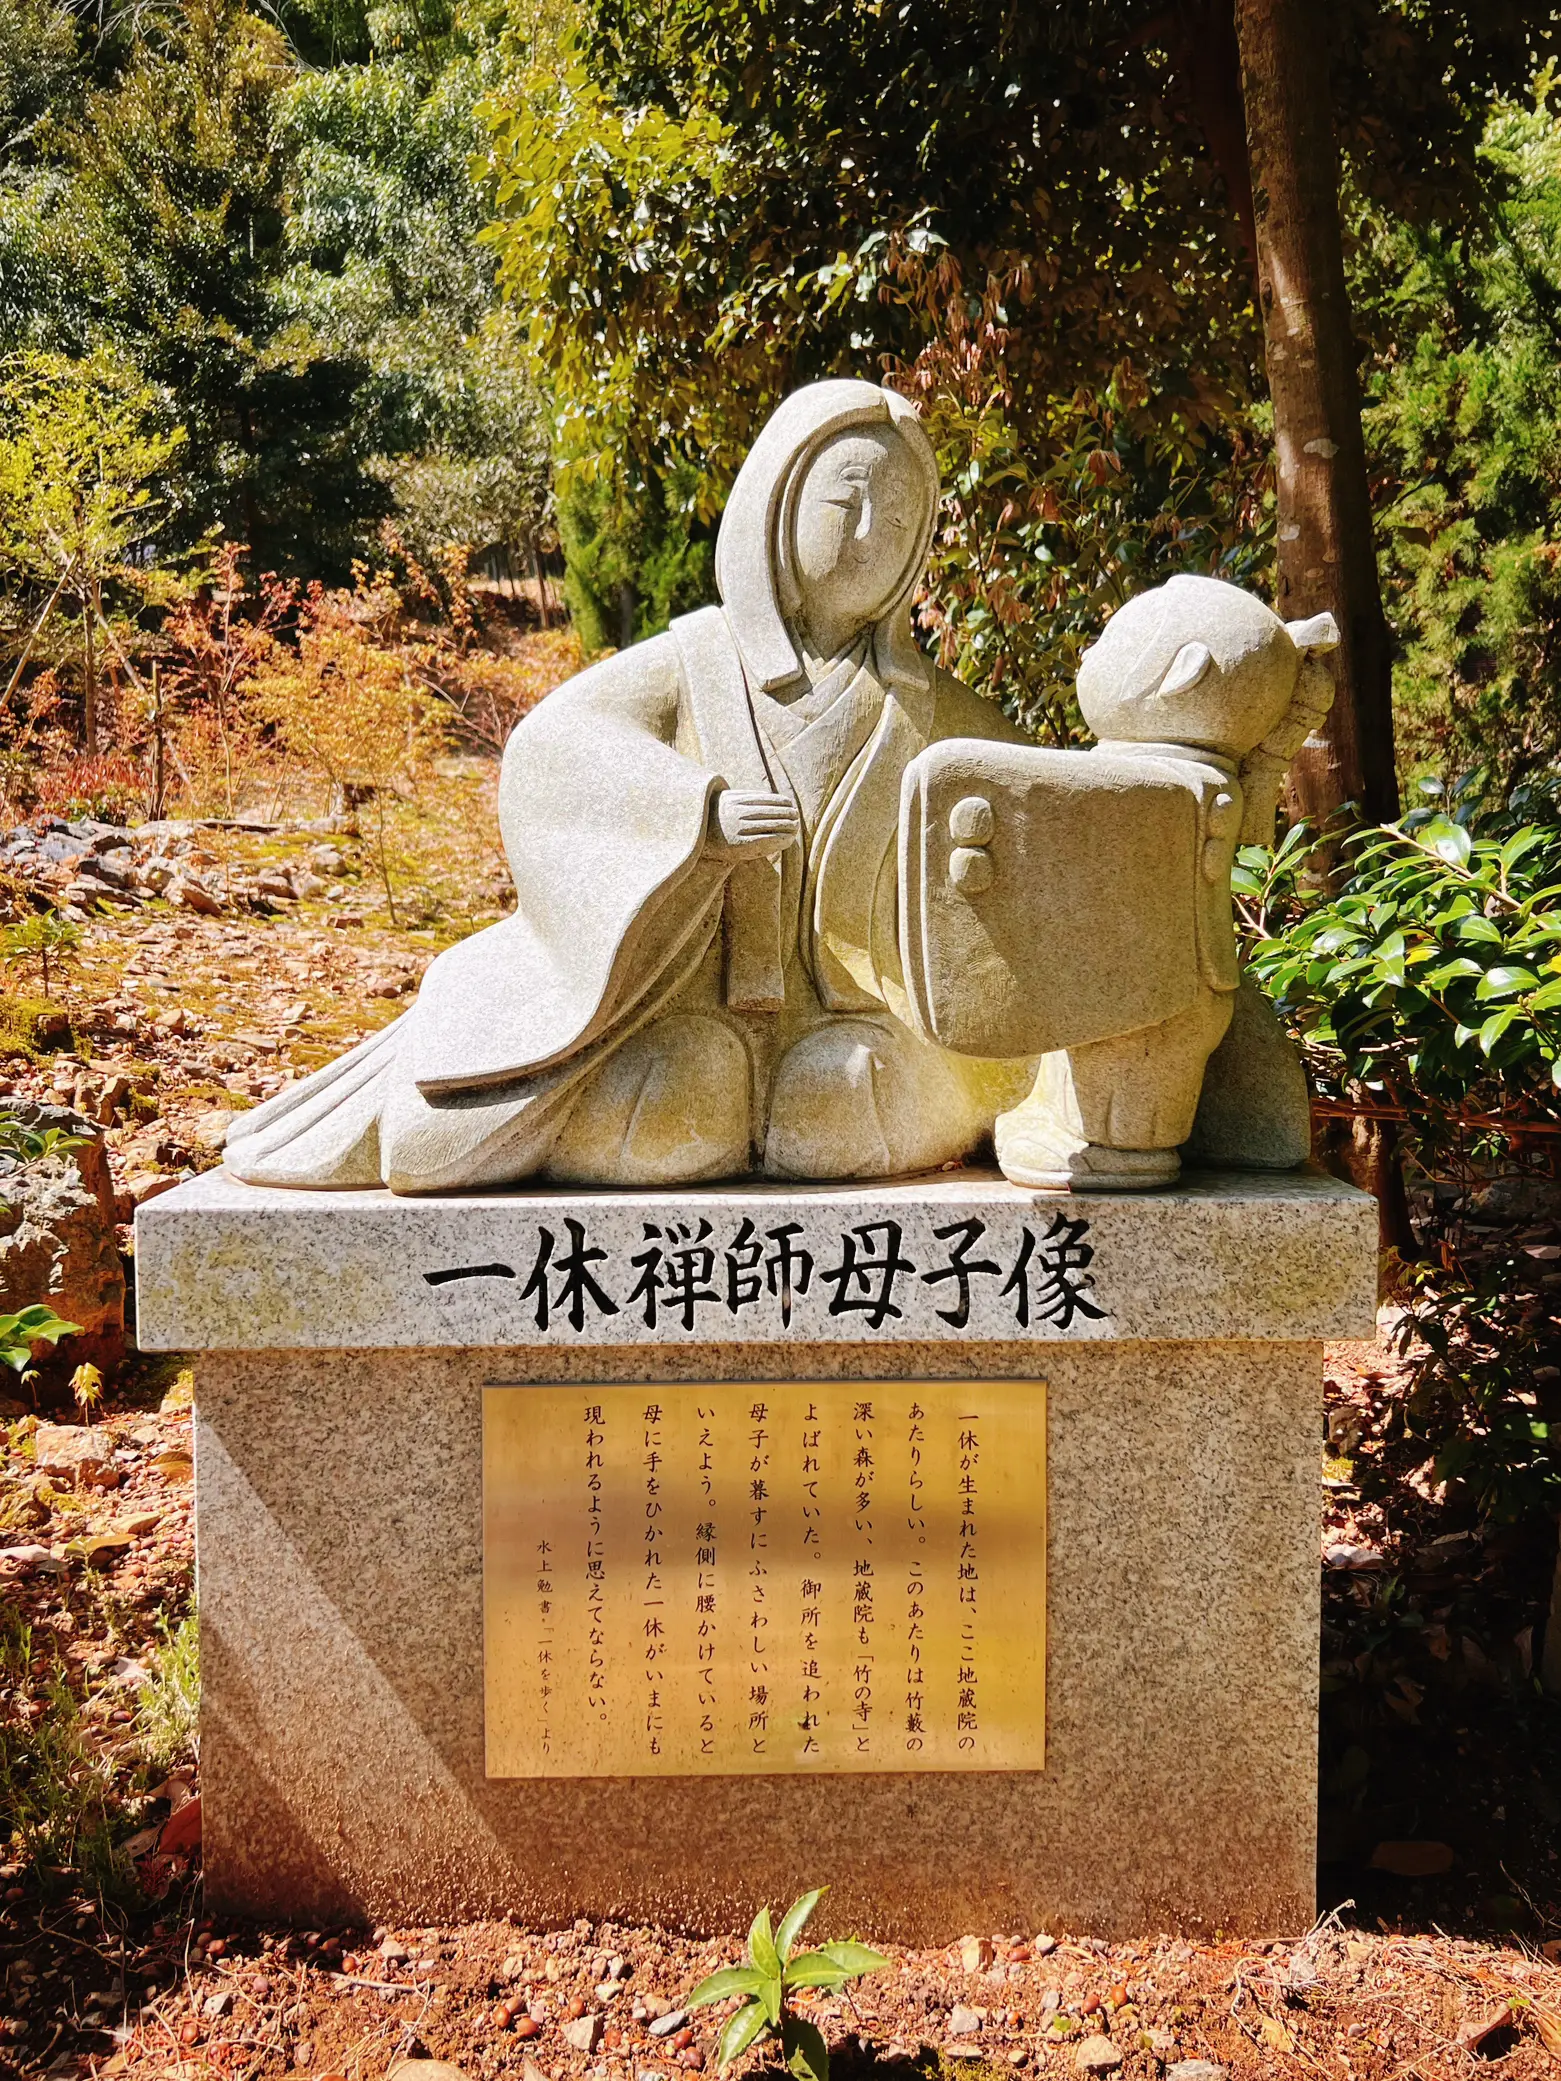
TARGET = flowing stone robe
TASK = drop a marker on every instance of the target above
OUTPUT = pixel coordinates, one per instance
(625, 917)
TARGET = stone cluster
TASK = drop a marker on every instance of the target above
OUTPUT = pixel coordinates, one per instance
(72, 866)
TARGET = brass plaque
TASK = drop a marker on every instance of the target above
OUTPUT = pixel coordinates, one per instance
(707, 1580)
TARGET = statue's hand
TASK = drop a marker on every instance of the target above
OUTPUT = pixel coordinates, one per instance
(752, 825)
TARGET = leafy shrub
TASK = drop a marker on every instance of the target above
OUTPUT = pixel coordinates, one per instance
(1431, 982)
(1427, 995)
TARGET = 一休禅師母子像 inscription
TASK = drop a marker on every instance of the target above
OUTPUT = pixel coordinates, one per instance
(771, 1578)
(971, 1275)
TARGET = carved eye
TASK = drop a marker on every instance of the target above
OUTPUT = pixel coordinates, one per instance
(971, 821)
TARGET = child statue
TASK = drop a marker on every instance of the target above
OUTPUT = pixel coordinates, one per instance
(1077, 904)
(701, 977)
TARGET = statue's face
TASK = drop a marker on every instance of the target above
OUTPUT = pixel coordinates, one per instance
(855, 523)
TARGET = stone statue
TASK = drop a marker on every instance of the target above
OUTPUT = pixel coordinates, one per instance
(1077, 906)
(701, 976)
(791, 899)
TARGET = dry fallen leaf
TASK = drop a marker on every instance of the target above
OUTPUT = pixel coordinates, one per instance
(1274, 2035)
(1412, 1860)
(1547, 2029)
(1479, 2028)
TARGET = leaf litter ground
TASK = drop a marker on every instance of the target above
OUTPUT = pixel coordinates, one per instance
(1440, 1757)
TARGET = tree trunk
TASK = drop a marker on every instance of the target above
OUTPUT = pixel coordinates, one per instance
(89, 671)
(1327, 556)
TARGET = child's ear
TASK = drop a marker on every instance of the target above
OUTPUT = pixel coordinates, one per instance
(1320, 632)
(1186, 668)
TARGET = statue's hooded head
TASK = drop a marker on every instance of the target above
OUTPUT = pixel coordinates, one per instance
(829, 524)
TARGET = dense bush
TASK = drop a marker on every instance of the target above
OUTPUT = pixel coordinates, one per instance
(1427, 994)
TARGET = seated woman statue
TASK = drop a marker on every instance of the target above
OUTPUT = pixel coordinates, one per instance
(701, 977)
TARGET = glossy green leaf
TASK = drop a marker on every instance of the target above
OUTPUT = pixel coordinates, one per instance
(1495, 1026)
(1476, 930)
(1505, 981)
(807, 2056)
(814, 1969)
(761, 1946)
(796, 1919)
(739, 2033)
(1450, 841)
(720, 1986)
(856, 1959)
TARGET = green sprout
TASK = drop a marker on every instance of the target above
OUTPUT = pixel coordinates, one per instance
(773, 1974)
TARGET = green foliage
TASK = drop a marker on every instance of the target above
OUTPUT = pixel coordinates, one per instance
(633, 557)
(775, 1969)
(1014, 213)
(1427, 994)
(56, 1792)
(168, 1704)
(1432, 980)
(81, 453)
(22, 1144)
(382, 263)
(1463, 424)
(43, 937)
(29, 1326)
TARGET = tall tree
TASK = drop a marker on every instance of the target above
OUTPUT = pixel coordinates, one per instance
(1029, 217)
(1324, 553)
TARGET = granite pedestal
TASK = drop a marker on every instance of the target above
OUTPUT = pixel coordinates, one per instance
(1173, 1344)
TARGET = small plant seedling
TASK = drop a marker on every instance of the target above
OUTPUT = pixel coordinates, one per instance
(86, 1386)
(776, 1968)
(44, 938)
(20, 1332)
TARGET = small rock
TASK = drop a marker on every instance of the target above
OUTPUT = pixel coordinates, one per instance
(1196, 2070)
(583, 2032)
(142, 1522)
(1097, 2055)
(1044, 1945)
(664, 2026)
(963, 2048)
(215, 2006)
(193, 895)
(976, 1953)
(963, 2022)
(394, 1953)
(424, 2070)
(73, 1452)
(307, 885)
(31, 1560)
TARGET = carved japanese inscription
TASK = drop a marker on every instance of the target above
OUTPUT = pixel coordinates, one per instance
(781, 1577)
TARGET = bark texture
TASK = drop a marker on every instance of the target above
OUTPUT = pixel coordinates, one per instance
(1327, 557)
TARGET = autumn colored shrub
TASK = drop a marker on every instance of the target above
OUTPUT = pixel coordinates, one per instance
(348, 704)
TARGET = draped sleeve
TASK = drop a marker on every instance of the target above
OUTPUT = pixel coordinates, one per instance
(604, 823)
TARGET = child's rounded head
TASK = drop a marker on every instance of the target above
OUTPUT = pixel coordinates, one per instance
(1196, 662)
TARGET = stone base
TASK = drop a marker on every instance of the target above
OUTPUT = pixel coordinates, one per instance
(339, 1498)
